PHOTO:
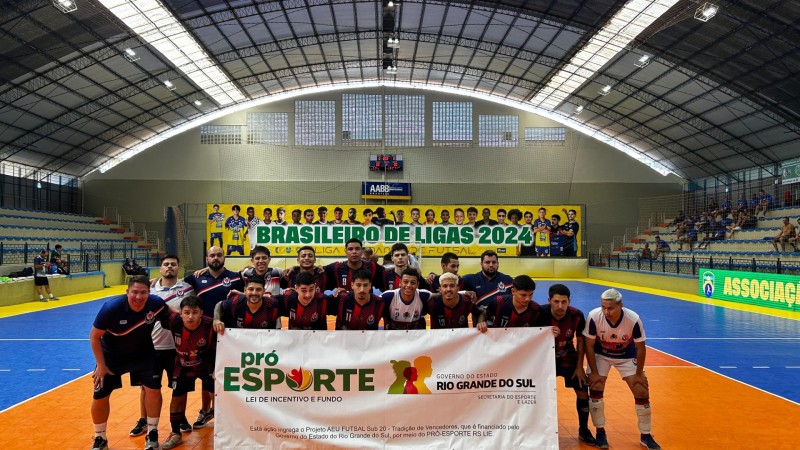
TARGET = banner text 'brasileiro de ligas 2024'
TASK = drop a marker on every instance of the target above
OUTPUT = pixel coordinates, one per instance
(428, 230)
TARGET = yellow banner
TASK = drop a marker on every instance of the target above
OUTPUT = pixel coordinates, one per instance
(428, 230)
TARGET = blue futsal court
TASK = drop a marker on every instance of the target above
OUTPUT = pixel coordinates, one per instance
(42, 350)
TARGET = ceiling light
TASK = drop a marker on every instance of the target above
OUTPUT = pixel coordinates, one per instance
(65, 6)
(391, 70)
(579, 109)
(616, 34)
(169, 85)
(390, 4)
(393, 42)
(165, 33)
(643, 61)
(706, 12)
(131, 55)
(606, 89)
(198, 102)
(38, 185)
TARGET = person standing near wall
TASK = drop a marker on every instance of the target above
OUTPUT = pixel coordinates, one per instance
(40, 269)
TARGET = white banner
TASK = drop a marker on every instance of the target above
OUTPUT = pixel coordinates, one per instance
(386, 389)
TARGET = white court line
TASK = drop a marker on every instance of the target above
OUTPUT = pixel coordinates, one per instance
(793, 367)
(721, 339)
(36, 339)
(760, 367)
(43, 393)
(727, 367)
(5, 370)
(70, 369)
(35, 370)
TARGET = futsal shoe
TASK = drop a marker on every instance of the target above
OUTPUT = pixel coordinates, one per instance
(203, 418)
(185, 427)
(600, 440)
(139, 428)
(100, 443)
(586, 436)
(172, 441)
(151, 441)
(649, 443)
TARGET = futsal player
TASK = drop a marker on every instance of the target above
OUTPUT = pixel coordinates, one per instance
(217, 220)
(195, 343)
(449, 309)
(450, 264)
(121, 342)
(399, 255)
(570, 233)
(406, 306)
(358, 309)
(489, 281)
(304, 305)
(541, 234)
(516, 309)
(252, 225)
(249, 310)
(238, 227)
(306, 262)
(340, 273)
(568, 323)
(615, 338)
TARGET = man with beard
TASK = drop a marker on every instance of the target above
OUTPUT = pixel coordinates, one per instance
(172, 290)
(450, 264)
(248, 310)
(568, 324)
(306, 262)
(351, 217)
(213, 287)
(449, 309)
(489, 281)
(406, 306)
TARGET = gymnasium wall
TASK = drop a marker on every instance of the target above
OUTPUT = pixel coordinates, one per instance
(181, 170)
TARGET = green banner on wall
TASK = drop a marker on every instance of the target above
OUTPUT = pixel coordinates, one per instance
(761, 289)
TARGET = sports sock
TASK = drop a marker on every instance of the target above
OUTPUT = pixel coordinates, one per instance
(582, 405)
(597, 409)
(100, 429)
(175, 420)
(643, 413)
(152, 424)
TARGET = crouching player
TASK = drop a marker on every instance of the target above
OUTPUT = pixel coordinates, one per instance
(195, 344)
(568, 323)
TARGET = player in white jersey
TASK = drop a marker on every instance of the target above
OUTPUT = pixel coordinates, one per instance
(252, 226)
(172, 289)
(615, 337)
(407, 306)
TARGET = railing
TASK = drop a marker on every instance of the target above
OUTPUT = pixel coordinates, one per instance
(689, 265)
(84, 258)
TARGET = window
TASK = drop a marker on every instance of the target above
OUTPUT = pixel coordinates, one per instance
(498, 131)
(268, 128)
(315, 122)
(546, 136)
(221, 134)
(452, 123)
(362, 120)
(405, 120)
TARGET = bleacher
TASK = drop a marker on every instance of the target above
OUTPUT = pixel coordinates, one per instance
(94, 248)
(748, 249)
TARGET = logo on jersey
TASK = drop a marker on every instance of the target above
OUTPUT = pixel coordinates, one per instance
(410, 379)
(201, 342)
(708, 283)
(149, 317)
(314, 317)
(501, 287)
(226, 282)
(371, 319)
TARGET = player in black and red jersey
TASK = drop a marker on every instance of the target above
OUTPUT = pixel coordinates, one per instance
(306, 307)
(306, 262)
(359, 309)
(195, 344)
(449, 309)
(450, 264)
(517, 309)
(340, 274)
(249, 310)
(391, 278)
(568, 323)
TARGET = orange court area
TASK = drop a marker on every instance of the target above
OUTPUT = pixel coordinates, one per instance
(692, 408)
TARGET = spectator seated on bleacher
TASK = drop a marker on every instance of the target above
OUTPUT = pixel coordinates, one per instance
(678, 219)
(131, 268)
(793, 240)
(765, 202)
(58, 261)
(718, 232)
(690, 237)
(646, 253)
(661, 247)
(787, 232)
